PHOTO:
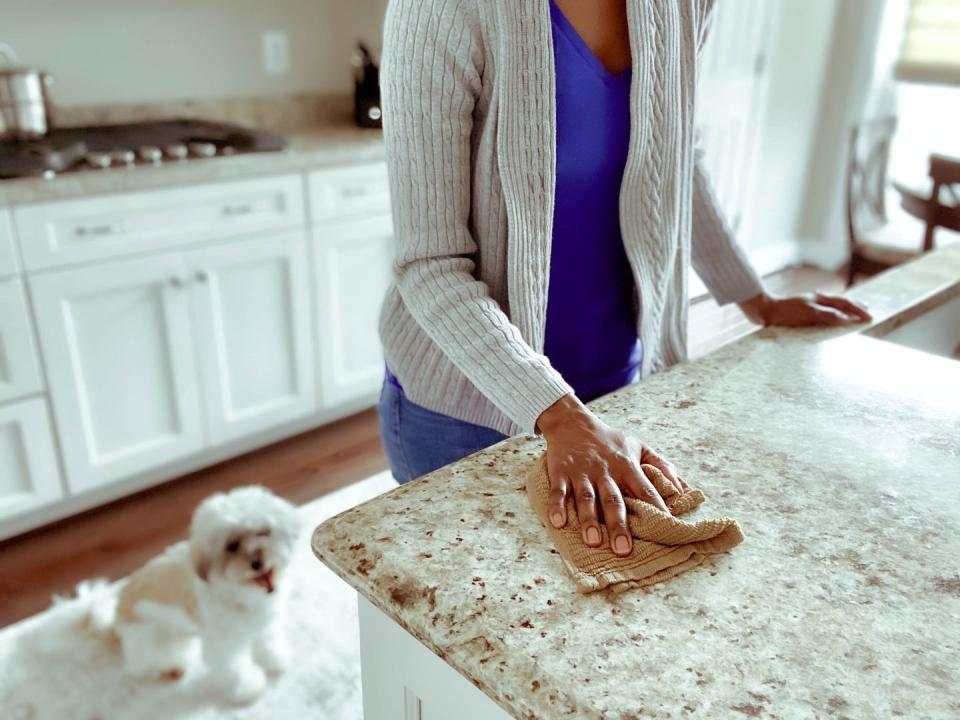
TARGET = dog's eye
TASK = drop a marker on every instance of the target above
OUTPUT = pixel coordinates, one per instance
(233, 546)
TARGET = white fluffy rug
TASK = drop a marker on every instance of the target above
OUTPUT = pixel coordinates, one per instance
(43, 675)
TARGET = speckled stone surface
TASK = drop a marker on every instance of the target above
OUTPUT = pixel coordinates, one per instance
(308, 149)
(838, 453)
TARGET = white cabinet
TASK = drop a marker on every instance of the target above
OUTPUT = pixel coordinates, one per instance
(155, 359)
(118, 348)
(402, 678)
(29, 475)
(19, 370)
(353, 271)
(175, 328)
(252, 307)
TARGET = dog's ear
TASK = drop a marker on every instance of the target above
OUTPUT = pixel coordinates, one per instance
(201, 563)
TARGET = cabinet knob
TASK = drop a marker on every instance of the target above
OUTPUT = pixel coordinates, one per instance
(176, 282)
(355, 191)
(201, 276)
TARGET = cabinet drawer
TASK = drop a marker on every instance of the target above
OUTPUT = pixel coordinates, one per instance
(29, 473)
(61, 233)
(347, 191)
(8, 256)
(19, 369)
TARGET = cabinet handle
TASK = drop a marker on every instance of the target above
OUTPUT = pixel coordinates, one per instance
(99, 230)
(355, 191)
(232, 210)
(201, 276)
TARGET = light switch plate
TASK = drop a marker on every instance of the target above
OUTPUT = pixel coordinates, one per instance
(276, 52)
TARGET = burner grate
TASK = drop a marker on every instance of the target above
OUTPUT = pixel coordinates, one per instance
(65, 149)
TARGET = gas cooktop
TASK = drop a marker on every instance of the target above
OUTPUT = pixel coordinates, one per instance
(130, 145)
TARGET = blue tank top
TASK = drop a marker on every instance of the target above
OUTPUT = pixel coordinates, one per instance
(590, 336)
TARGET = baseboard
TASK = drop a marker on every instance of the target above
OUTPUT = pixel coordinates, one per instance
(73, 504)
(824, 255)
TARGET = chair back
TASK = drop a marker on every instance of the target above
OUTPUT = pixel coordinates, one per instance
(945, 173)
(869, 156)
(945, 170)
(943, 207)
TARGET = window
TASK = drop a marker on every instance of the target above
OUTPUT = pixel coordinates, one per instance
(931, 46)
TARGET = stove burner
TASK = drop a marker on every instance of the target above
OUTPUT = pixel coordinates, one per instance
(147, 143)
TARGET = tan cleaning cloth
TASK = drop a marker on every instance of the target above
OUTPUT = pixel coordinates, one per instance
(663, 545)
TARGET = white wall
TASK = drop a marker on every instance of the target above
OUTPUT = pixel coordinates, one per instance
(866, 43)
(126, 51)
(852, 68)
(797, 66)
(821, 67)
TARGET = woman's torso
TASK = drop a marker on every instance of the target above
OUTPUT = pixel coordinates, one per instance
(590, 334)
(506, 204)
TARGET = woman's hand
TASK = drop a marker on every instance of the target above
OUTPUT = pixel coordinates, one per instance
(814, 308)
(597, 464)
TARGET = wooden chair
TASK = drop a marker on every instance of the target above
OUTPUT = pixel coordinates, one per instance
(942, 208)
(875, 245)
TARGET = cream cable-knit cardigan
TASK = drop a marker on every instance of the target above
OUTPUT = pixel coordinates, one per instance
(468, 118)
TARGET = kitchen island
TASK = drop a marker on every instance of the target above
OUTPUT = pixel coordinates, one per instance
(839, 454)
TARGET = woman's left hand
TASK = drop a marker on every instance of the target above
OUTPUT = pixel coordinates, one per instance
(813, 308)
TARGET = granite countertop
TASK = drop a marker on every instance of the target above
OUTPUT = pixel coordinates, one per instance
(307, 149)
(838, 453)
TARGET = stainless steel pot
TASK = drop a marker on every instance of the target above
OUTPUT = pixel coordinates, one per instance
(24, 101)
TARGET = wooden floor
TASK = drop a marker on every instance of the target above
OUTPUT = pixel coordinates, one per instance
(113, 540)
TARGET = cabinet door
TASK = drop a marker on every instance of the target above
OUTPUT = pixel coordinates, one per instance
(8, 256)
(254, 333)
(116, 341)
(19, 372)
(353, 273)
(29, 475)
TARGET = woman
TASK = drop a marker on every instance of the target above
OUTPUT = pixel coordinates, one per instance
(547, 204)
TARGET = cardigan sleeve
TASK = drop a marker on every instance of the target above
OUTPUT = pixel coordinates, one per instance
(430, 77)
(715, 254)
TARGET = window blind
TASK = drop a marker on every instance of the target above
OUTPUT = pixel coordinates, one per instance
(931, 45)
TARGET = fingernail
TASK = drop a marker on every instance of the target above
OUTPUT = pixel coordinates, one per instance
(556, 519)
(593, 536)
(621, 545)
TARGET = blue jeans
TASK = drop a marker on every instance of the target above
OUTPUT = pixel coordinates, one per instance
(418, 440)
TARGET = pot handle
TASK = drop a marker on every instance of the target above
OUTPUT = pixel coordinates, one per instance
(47, 80)
(9, 54)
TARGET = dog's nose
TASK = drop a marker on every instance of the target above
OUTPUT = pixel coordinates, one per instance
(256, 564)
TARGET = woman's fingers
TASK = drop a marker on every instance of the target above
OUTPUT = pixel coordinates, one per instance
(641, 488)
(557, 503)
(586, 500)
(652, 457)
(845, 305)
(615, 516)
(825, 315)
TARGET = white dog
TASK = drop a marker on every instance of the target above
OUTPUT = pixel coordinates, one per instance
(224, 588)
